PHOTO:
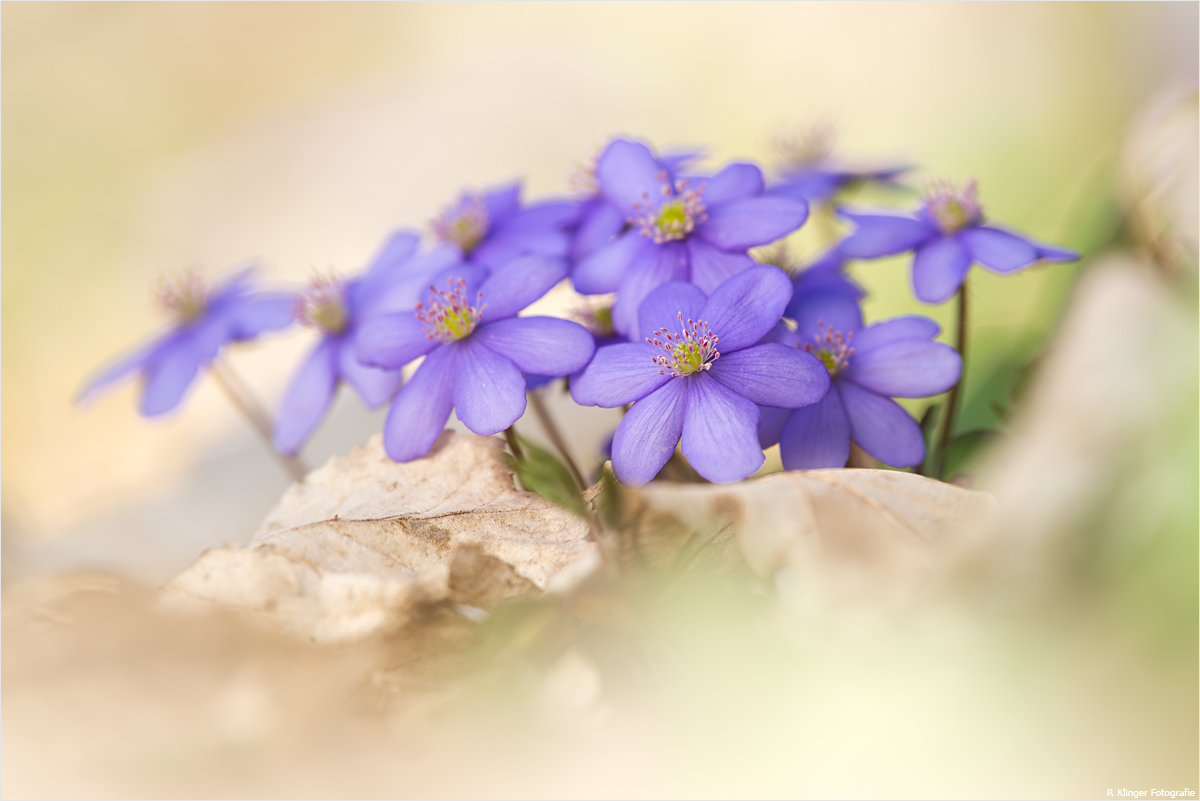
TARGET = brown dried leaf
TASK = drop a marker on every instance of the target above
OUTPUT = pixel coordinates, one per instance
(355, 546)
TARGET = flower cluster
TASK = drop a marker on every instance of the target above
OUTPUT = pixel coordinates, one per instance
(715, 353)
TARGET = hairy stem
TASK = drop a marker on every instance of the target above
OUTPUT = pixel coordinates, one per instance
(952, 401)
(556, 439)
(241, 397)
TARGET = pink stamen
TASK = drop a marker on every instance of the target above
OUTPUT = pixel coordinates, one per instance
(453, 318)
(690, 351)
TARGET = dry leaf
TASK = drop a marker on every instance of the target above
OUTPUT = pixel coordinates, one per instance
(355, 546)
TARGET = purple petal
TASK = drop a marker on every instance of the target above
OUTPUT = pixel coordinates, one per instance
(399, 288)
(307, 398)
(905, 368)
(939, 269)
(391, 341)
(169, 372)
(654, 267)
(771, 374)
(816, 436)
(712, 267)
(374, 385)
(881, 427)
(121, 370)
(538, 381)
(814, 186)
(601, 221)
(502, 203)
(629, 175)
(836, 310)
(489, 390)
(255, 316)
(508, 244)
(421, 408)
(908, 327)
(520, 283)
(543, 345)
(720, 432)
(997, 250)
(883, 235)
(770, 424)
(648, 434)
(743, 309)
(603, 271)
(783, 335)
(751, 222)
(395, 253)
(473, 276)
(618, 374)
(662, 307)
(1052, 254)
(734, 182)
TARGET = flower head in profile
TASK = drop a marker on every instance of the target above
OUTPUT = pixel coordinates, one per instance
(694, 229)
(868, 366)
(696, 376)
(949, 234)
(337, 308)
(205, 319)
(492, 228)
(810, 171)
(476, 351)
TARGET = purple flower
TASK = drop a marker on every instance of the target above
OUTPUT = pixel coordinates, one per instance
(595, 315)
(680, 230)
(338, 309)
(699, 375)
(868, 366)
(205, 320)
(948, 235)
(492, 228)
(475, 350)
(809, 172)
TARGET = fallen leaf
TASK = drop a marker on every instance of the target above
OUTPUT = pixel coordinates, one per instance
(356, 546)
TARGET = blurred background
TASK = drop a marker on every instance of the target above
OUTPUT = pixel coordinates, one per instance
(141, 139)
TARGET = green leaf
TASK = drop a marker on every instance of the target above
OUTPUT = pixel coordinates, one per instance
(962, 450)
(541, 472)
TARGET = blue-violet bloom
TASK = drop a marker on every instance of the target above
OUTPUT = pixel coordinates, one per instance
(695, 230)
(697, 377)
(206, 319)
(808, 170)
(475, 350)
(948, 234)
(338, 308)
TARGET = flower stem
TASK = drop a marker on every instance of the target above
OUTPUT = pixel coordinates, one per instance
(239, 394)
(510, 436)
(952, 401)
(556, 439)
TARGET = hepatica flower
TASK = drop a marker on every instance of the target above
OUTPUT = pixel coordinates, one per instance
(205, 320)
(808, 170)
(337, 309)
(948, 234)
(695, 230)
(697, 376)
(868, 367)
(492, 228)
(475, 350)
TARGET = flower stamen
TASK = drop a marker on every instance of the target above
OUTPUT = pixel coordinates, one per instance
(681, 210)
(804, 148)
(595, 314)
(183, 295)
(830, 347)
(453, 317)
(464, 222)
(689, 352)
(324, 304)
(951, 208)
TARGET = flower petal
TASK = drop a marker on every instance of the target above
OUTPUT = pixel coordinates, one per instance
(712, 267)
(907, 327)
(422, 407)
(733, 182)
(905, 368)
(618, 374)
(489, 390)
(770, 424)
(520, 282)
(1052, 254)
(256, 315)
(771, 374)
(744, 308)
(307, 398)
(835, 309)
(662, 307)
(121, 370)
(391, 341)
(751, 222)
(600, 222)
(720, 432)
(603, 271)
(648, 434)
(170, 371)
(939, 268)
(654, 267)
(998, 250)
(816, 436)
(374, 385)
(509, 244)
(883, 235)
(881, 427)
(502, 203)
(628, 174)
(472, 275)
(540, 345)
(396, 251)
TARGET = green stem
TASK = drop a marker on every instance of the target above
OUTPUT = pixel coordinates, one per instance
(241, 397)
(952, 401)
(510, 436)
(543, 415)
